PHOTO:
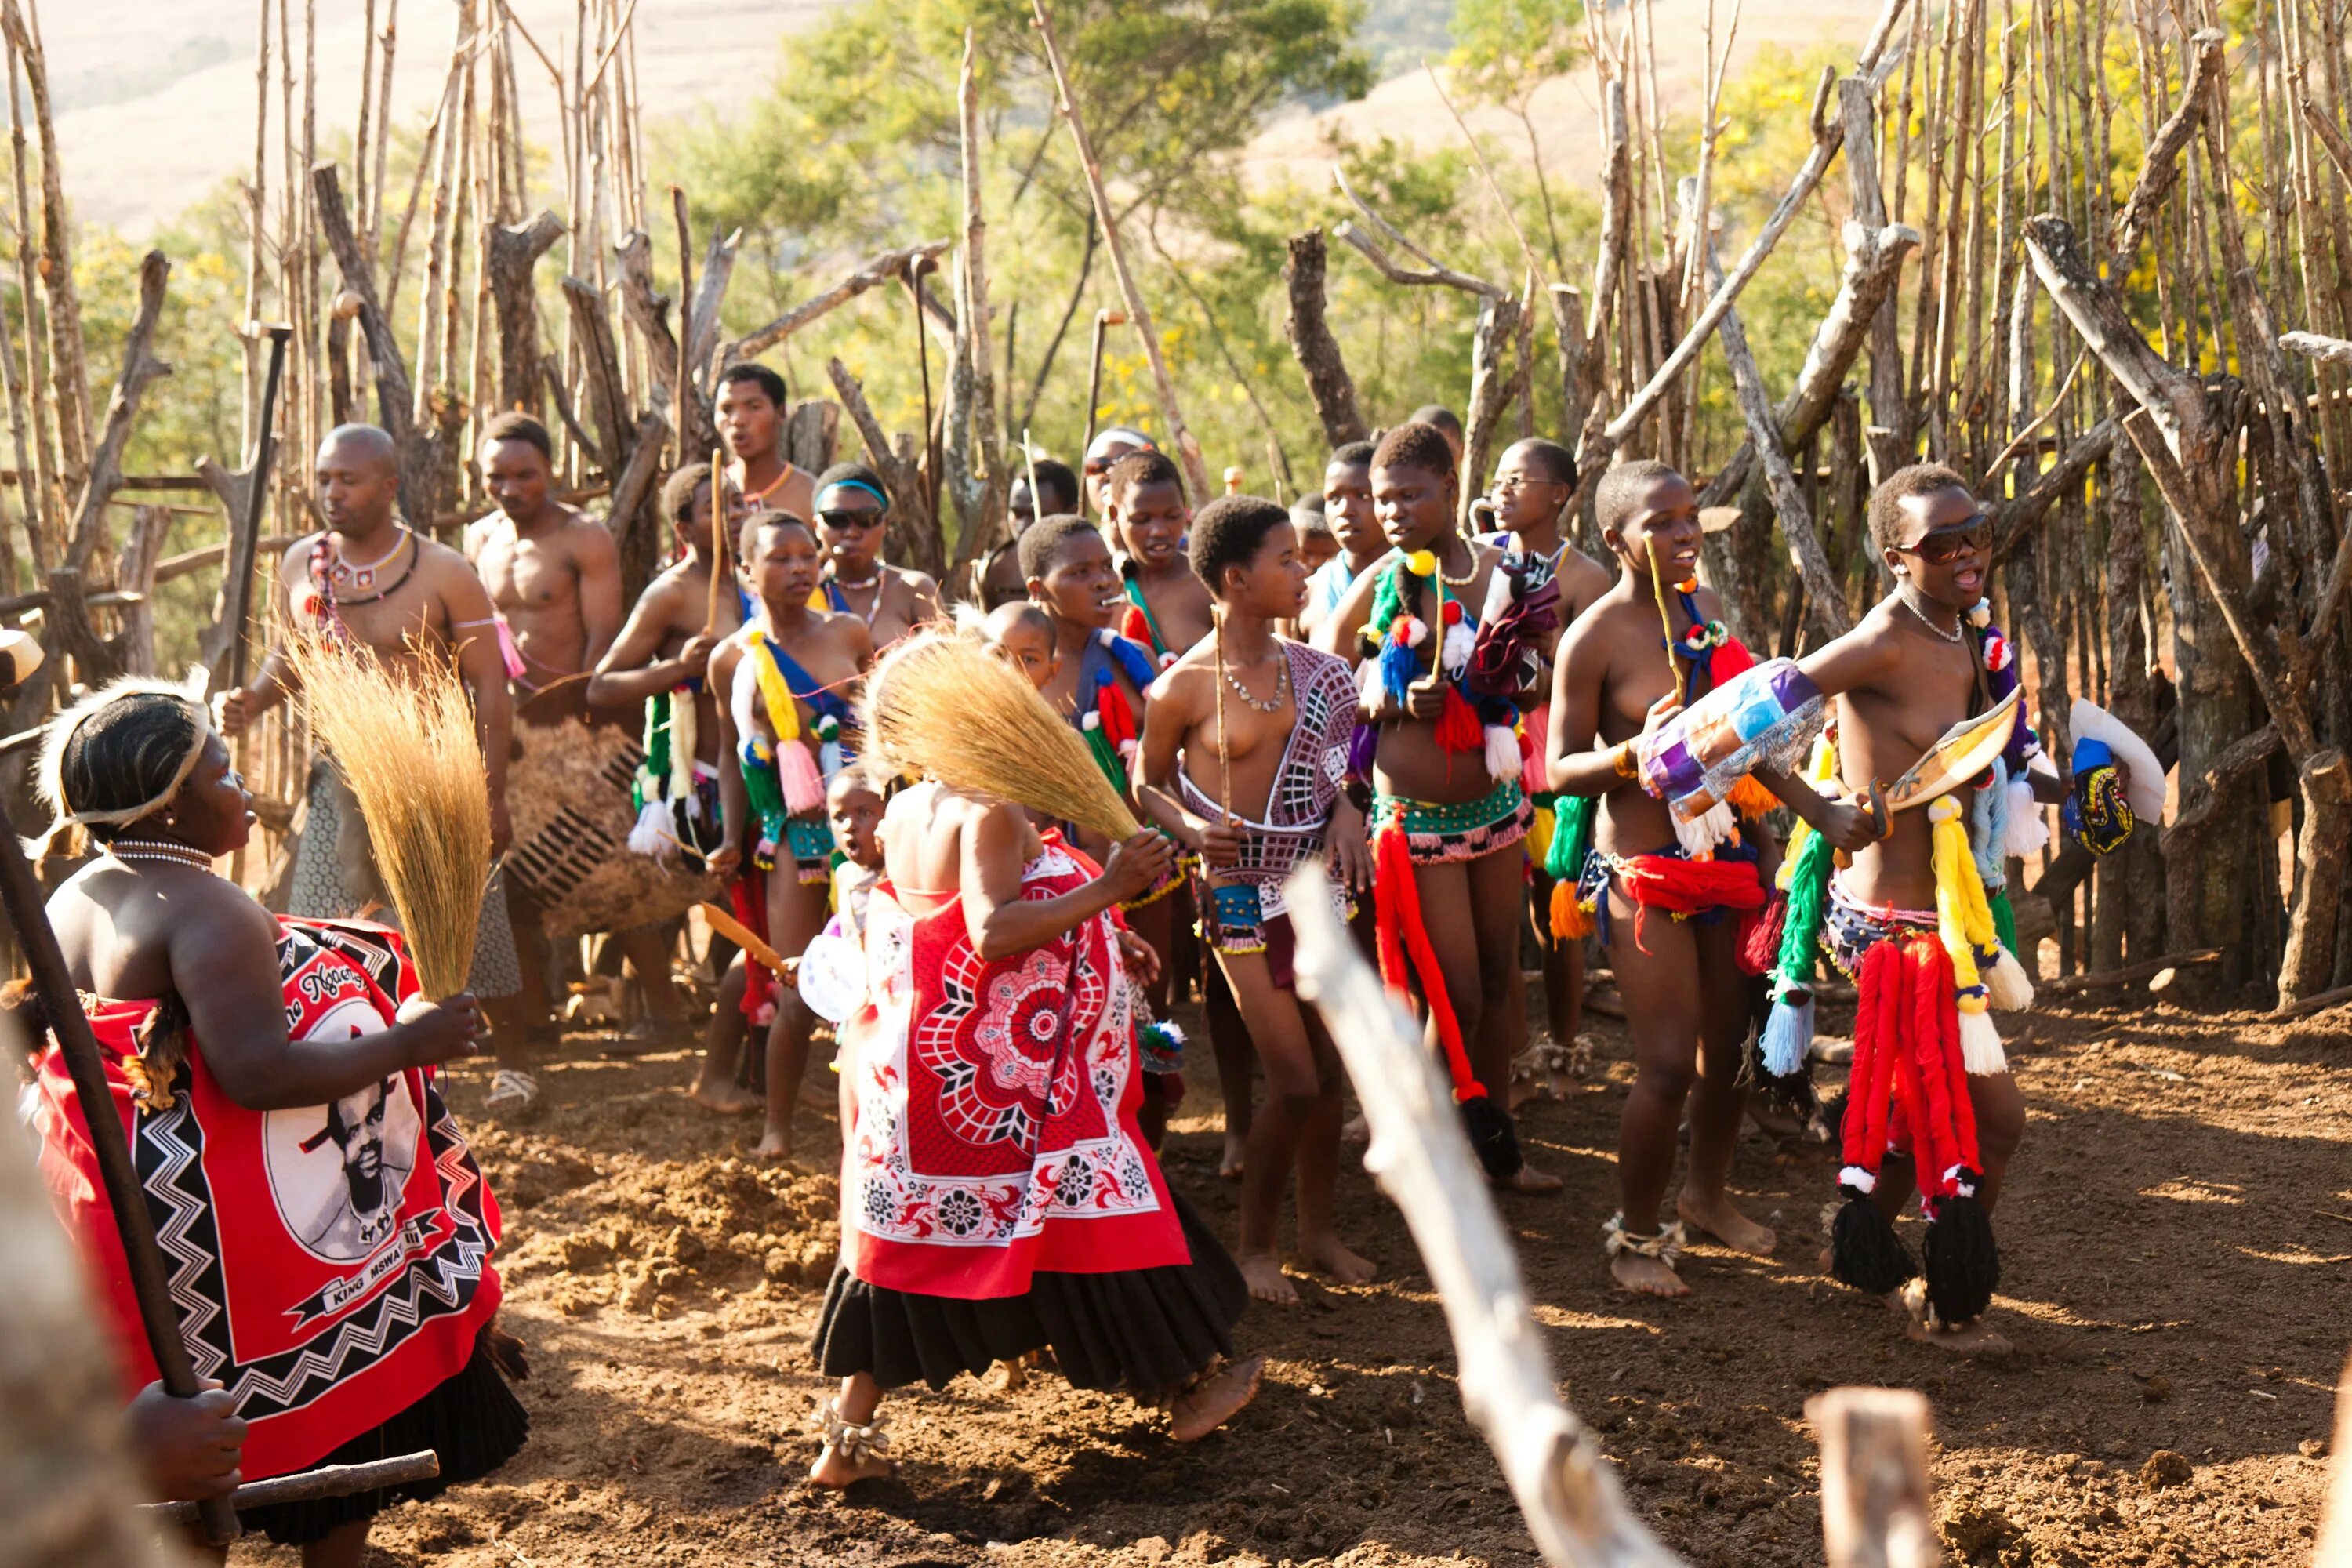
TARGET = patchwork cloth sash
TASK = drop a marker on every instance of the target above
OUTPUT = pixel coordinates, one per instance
(330, 1263)
(996, 1130)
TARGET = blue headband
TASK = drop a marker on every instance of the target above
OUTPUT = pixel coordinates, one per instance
(853, 485)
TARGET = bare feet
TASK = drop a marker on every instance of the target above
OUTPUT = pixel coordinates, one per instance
(775, 1144)
(1230, 1165)
(724, 1098)
(1326, 1256)
(833, 1471)
(1209, 1404)
(1527, 1179)
(1726, 1223)
(1262, 1274)
(1646, 1275)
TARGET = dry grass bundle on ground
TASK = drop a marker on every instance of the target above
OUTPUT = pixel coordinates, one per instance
(405, 744)
(945, 708)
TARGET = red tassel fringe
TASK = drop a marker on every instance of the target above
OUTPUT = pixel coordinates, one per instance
(1396, 904)
(1458, 729)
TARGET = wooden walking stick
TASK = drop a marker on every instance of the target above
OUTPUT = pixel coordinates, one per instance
(1094, 390)
(1666, 619)
(718, 540)
(916, 268)
(149, 1284)
(237, 587)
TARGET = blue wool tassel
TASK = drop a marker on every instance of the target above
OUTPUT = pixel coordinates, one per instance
(1398, 665)
(1989, 828)
(1789, 1033)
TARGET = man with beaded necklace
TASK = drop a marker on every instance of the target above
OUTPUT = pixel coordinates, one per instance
(372, 579)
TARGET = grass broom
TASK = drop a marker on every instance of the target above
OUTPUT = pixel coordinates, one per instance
(945, 708)
(405, 742)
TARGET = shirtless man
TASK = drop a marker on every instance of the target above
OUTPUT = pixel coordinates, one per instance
(1535, 479)
(1143, 502)
(1686, 995)
(999, 578)
(891, 600)
(821, 658)
(1461, 825)
(1348, 510)
(370, 577)
(751, 416)
(1912, 668)
(1247, 734)
(553, 573)
(655, 666)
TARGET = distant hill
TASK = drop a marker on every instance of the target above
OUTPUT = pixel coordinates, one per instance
(155, 98)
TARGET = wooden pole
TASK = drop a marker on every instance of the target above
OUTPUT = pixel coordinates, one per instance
(150, 1283)
(1187, 445)
(238, 590)
(717, 541)
(1094, 392)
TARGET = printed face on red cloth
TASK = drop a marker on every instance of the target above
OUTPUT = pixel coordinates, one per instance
(305, 1248)
(996, 1100)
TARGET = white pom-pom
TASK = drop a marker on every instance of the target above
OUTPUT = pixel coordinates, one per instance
(650, 837)
(2007, 985)
(1416, 631)
(1981, 1050)
(1502, 752)
(1702, 834)
(1788, 1035)
(1368, 683)
(2029, 829)
(1459, 642)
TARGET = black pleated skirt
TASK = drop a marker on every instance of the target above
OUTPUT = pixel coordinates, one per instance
(473, 1421)
(1146, 1330)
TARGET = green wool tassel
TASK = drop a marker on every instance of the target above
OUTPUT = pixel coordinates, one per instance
(2004, 919)
(1388, 603)
(1809, 890)
(1107, 758)
(766, 792)
(1572, 837)
(653, 774)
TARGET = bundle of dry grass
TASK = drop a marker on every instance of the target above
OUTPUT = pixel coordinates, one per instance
(406, 745)
(945, 708)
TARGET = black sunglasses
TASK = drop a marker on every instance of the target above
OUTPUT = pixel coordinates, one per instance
(865, 517)
(1947, 544)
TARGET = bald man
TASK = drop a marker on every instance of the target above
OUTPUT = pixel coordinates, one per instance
(372, 579)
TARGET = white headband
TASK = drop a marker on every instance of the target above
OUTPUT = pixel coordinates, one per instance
(63, 728)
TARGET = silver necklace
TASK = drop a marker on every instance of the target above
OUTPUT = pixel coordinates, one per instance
(1281, 681)
(159, 850)
(1959, 627)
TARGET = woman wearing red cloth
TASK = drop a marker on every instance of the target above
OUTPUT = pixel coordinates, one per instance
(997, 1194)
(326, 1228)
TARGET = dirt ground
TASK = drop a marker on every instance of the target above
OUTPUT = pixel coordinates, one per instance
(2176, 1243)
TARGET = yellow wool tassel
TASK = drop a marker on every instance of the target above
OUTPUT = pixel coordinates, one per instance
(1788, 856)
(1820, 771)
(1964, 925)
(775, 692)
(1540, 834)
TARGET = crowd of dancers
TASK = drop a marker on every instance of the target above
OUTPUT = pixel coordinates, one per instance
(1473, 728)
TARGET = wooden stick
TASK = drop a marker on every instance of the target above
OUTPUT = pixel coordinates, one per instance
(150, 1282)
(1874, 1491)
(1666, 619)
(1187, 445)
(747, 939)
(1094, 393)
(310, 1486)
(2333, 1548)
(718, 540)
(2067, 984)
(1565, 1485)
(238, 590)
